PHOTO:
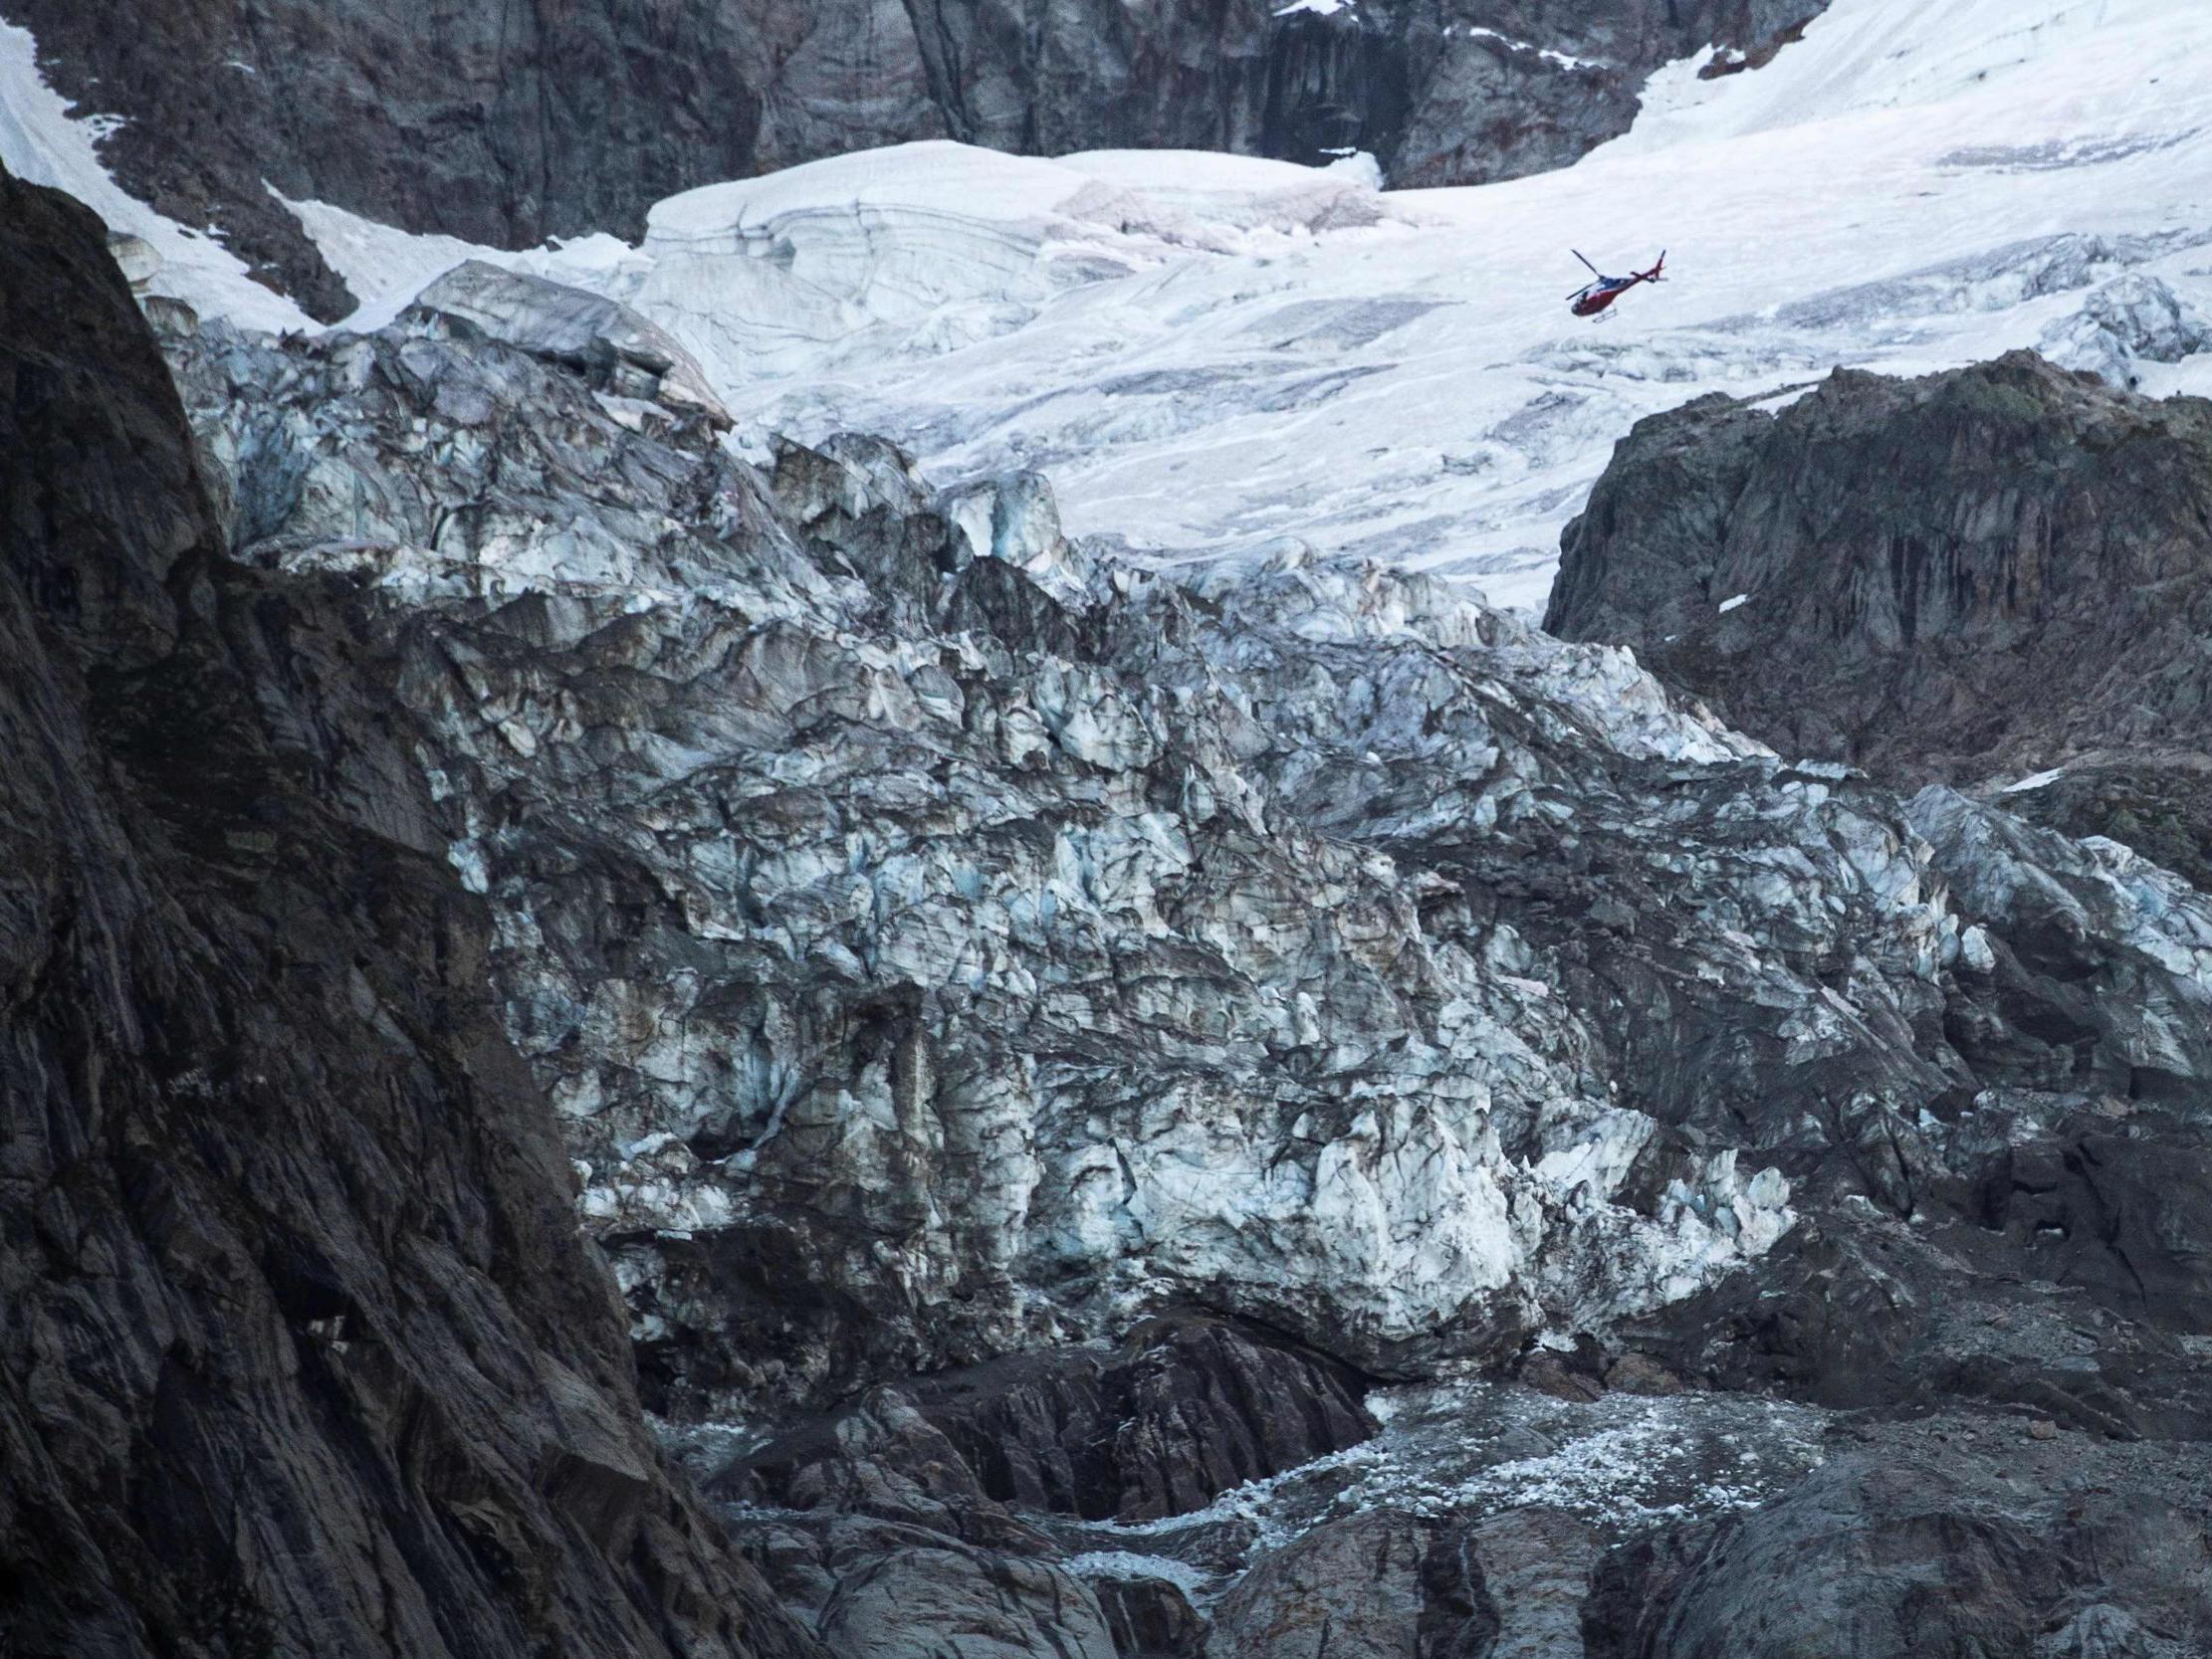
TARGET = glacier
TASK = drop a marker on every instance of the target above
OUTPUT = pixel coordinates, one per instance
(1113, 850)
(1212, 355)
(1209, 355)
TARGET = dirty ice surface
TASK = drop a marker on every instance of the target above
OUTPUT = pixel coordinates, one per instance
(1473, 1449)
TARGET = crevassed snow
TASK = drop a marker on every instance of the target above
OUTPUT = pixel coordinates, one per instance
(387, 269)
(906, 252)
(1212, 355)
(843, 270)
(44, 141)
(1220, 355)
(1908, 188)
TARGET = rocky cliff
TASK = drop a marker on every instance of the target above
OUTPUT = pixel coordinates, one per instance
(2000, 576)
(302, 1352)
(509, 124)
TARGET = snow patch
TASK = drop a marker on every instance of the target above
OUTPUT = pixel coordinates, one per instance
(1559, 59)
(43, 141)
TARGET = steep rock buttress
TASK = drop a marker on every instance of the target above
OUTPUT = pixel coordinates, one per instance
(301, 1349)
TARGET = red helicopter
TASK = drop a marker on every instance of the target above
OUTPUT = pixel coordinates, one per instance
(1593, 297)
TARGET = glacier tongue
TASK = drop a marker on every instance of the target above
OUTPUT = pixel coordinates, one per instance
(910, 910)
(945, 938)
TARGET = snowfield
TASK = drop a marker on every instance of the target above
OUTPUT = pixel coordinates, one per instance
(1212, 354)
(43, 142)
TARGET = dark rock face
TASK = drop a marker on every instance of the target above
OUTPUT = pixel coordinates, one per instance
(1391, 1586)
(1352, 1588)
(974, 1475)
(883, 1590)
(1150, 1618)
(1989, 573)
(301, 1352)
(1475, 92)
(507, 124)
(502, 125)
(1192, 1411)
(2040, 1551)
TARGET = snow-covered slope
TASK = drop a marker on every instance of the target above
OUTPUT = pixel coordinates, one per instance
(1883, 194)
(1209, 353)
(43, 142)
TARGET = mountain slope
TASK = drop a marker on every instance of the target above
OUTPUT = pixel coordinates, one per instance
(510, 124)
(1141, 1099)
(303, 1352)
(1999, 577)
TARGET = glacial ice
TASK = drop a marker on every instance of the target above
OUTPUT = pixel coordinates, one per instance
(1205, 353)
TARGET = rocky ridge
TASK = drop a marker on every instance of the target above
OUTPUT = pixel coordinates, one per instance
(301, 1352)
(1996, 578)
(506, 126)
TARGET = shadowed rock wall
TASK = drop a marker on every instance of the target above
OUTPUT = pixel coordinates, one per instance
(301, 1349)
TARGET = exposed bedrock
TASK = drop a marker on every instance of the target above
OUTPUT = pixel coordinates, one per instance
(301, 1352)
(890, 1520)
(1391, 1586)
(1188, 1411)
(505, 126)
(1944, 1540)
(1997, 575)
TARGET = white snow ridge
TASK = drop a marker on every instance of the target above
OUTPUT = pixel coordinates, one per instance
(1209, 353)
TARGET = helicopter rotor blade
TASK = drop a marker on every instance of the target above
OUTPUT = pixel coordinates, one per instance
(1594, 271)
